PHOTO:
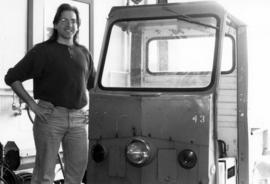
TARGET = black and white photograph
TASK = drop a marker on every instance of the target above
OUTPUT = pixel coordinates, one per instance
(134, 92)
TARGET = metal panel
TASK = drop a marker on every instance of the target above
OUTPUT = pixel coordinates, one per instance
(227, 83)
(167, 165)
(117, 162)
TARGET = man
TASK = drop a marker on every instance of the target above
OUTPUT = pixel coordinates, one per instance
(61, 70)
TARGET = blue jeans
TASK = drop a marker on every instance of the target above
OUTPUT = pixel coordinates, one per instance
(64, 126)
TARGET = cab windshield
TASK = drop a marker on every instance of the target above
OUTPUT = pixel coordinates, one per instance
(170, 53)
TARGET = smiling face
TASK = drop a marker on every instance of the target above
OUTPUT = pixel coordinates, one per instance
(67, 27)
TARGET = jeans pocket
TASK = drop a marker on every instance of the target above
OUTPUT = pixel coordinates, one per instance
(48, 111)
(80, 118)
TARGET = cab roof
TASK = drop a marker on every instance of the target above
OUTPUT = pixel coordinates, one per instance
(170, 10)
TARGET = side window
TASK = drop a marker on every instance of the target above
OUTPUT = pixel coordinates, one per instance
(194, 54)
(227, 61)
(191, 63)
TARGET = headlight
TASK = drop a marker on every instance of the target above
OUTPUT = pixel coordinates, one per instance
(138, 152)
(187, 159)
(98, 153)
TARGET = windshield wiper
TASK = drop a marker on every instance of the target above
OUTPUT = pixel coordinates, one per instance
(189, 19)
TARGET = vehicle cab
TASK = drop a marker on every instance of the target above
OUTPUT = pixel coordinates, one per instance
(170, 98)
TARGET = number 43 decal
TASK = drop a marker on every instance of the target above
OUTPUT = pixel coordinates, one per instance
(199, 119)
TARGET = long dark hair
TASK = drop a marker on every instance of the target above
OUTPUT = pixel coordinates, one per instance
(61, 8)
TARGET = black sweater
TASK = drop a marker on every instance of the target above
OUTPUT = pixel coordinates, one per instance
(61, 74)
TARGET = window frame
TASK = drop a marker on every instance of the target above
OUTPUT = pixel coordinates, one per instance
(233, 55)
(105, 50)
